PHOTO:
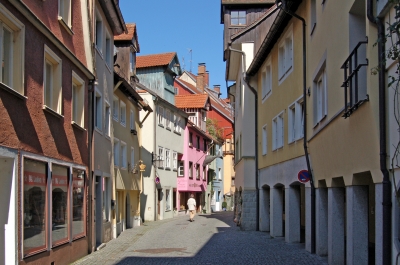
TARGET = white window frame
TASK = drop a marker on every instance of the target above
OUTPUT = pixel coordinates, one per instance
(320, 99)
(168, 200)
(52, 96)
(277, 131)
(190, 170)
(239, 16)
(168, 119)
(264, 140)
(99, 28)
(122, 110)
(78, 100)
(98, 111)
(132, 157)
(109, 50)
(132, 120)
(116, 152)
(295, 120)
(115, 109)
(167, 158)
(124, 159)
(160, 115)
(313, 15)
(219, 174)
(107, 119)
(266, 81)
(161, 156)
(181, 168)
(64, 12)
(175, 160)
(16, 55)
(285, 55)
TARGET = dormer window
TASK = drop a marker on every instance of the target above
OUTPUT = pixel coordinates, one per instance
(238, 17)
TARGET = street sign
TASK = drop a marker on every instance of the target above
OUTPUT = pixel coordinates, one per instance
(303, 176)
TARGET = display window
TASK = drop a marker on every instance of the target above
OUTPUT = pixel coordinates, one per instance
(34, 206)
(59, 196)
(78, 207)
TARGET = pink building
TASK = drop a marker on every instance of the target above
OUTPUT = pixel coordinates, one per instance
(192, 174)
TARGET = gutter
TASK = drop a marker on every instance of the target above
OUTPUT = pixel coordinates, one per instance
(245, 79)
(386, 185)
(283, 7)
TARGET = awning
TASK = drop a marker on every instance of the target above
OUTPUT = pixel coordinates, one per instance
(209, 158)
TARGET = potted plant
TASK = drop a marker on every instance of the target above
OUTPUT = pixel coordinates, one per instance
(224, 205)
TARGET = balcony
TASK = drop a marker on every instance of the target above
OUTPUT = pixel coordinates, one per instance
(355, 79)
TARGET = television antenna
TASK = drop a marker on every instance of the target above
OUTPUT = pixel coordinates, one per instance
(190, 52)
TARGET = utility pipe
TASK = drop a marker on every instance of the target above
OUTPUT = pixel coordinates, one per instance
(305, 121)
(386, 185)
(245, 79)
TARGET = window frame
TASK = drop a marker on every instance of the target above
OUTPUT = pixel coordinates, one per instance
(55, 98)
(80, 85)
(181, 168)
(285, 55)
(237, 16)
(190, 170)
(98, 111)
(168, 119)
(264, 140)
(124, 157)
(160, 116)
(99, 32)
(65, 13)
(161, 156)
(167, 158)
(116, 150)
(122, 113)
(320, 98)
(107, 119)
(266, 81)
(278, 132)
(132, 120)
(116, 111)
(175, 160)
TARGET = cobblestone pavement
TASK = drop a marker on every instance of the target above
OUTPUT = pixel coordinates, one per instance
(210, 239)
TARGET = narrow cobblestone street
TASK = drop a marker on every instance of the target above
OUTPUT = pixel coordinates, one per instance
(210, 239)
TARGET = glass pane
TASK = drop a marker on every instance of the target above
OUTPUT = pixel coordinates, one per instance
(7, 55)
(78, 196)
(242, 21)
(75, 104)
(59, 194)
(34, 207)
(47, 88)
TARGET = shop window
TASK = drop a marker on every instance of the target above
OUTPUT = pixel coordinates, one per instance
(59, 195)
(78, 199)
(34, 207)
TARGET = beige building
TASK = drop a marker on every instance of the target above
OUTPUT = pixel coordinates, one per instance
(326, 86)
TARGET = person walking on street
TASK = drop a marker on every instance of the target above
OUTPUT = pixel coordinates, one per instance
(191, 203)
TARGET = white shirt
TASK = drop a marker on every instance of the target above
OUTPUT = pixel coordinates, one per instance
(191, 204)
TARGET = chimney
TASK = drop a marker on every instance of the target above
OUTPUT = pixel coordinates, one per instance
(201, 69)
(207, 79)
(217, 89)
(200, 83)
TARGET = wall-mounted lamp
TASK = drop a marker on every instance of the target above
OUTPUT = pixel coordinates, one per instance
(308, 91)
(134, 132)
(156, 158)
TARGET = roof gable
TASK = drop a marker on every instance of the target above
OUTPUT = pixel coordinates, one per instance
(154, 60)
(197, 101)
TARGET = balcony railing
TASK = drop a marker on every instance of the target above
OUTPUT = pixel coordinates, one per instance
(355, 79)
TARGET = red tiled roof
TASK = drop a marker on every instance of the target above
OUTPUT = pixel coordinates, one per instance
(190, 86)
(127, 36)
(152, 60)
(191, 101)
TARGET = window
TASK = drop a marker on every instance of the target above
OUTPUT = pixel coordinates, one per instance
(240, 146)
(52, 80)
(167, 118)
(176, 90)
(160, 116)
(190, 139)
(313, 14)
(264, 139)
(64, 11)
(78, 100)
(175, 160)
(167, 158)
(238, 17)
(198, 142)
(266, 82)
(60, 213)
(132, 118)
(99, 33)
(190, 170)
(98, 108)
(177, 127)
(277, 132)
(12, 37)
(167, 200)
(116, 152)
(205, 144)
(219, 174)
(181, 169)
(107, 125)
(123, 156)
(320, 97)
(109, 53)
(123, 113)
(78, 199)
(115, 108)
(204, 173)
(106, 199)
(34, 206)
(197, 171)
(161, 156)
(132, 157)
(295, 121)
(131, 62)
(285, 60)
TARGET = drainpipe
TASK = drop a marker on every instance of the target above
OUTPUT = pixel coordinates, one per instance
(90, 167)
(245, 79)
(234, 146)
(386, 185)
(312, 184)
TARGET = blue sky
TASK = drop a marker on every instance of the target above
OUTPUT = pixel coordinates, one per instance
(180, 25)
